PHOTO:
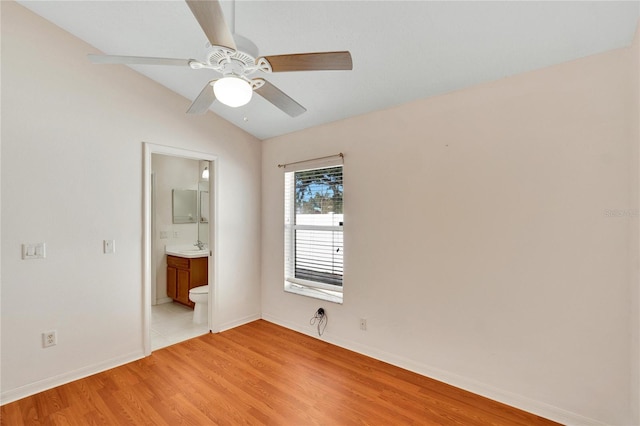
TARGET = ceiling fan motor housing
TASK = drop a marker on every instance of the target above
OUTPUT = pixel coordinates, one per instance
(235, 62)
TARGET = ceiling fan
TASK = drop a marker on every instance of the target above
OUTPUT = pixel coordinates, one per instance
(236, 65)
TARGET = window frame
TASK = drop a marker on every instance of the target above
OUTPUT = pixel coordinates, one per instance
(292, 284)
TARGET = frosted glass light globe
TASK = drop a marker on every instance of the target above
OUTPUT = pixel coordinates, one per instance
(232, 91)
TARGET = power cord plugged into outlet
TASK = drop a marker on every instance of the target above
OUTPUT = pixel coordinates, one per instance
(319, 318)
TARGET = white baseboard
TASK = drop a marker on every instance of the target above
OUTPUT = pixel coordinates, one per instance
(238, 322)
(42, 385)
(12, 395)
(518, 401)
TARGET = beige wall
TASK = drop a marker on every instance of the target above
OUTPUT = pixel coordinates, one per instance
(72, 169)
(634, 281)
(487, 238)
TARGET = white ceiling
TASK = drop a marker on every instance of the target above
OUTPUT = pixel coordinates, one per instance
(402, 51)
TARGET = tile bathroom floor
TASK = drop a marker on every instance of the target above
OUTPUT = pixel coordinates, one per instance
(172, 323)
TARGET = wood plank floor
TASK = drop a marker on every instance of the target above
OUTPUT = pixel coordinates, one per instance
(259, 373)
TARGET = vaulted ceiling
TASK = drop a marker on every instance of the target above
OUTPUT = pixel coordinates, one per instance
(402, 51)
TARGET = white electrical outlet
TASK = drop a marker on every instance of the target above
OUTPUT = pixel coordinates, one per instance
(49, 338)
(363, 324)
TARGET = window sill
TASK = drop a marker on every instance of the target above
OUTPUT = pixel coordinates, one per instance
(328, 295)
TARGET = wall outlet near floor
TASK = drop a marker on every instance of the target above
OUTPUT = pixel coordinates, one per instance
(49, 338)
(363, 324)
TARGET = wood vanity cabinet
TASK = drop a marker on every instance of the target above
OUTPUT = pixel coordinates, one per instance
(184, 274)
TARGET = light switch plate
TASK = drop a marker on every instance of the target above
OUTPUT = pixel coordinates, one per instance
(34, 251)
(109, 246)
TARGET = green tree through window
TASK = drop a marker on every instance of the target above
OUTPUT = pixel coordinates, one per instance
(319, 191)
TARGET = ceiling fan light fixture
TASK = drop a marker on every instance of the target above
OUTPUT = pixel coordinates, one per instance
(233, 91)
(235, 58)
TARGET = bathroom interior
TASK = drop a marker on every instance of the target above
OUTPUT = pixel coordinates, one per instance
(180, 249)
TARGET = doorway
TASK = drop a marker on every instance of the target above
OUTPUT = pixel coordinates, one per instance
(164, 230)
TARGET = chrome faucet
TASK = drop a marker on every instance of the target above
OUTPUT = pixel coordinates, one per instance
(199, 244)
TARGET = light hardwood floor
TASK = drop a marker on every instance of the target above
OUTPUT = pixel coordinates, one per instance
(259, 373)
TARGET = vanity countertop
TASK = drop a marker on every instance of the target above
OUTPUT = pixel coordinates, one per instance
(186, 251)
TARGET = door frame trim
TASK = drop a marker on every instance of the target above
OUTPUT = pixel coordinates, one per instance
(149, 149)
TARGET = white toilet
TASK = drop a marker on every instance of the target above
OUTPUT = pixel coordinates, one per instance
(200, 296)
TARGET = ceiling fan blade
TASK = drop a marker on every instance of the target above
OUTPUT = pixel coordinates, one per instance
(311, 61)
(279, 98)
(137, 60)
(204, 100)
(209, 15)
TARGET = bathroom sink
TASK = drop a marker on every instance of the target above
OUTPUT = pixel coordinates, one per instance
(186, 251)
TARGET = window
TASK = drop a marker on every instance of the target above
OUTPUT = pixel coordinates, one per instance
(313, 232)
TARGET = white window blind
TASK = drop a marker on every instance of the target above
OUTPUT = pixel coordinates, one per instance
(313, 227)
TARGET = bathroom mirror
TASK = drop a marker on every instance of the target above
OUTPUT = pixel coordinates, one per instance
(203, 209)
(185, 203)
